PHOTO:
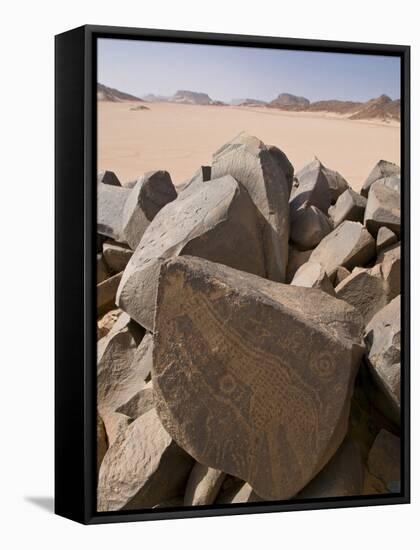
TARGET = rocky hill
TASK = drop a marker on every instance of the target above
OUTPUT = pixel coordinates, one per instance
(289, 101)
(104, 93)
(247, 102)
(382, 107)
(192, 98)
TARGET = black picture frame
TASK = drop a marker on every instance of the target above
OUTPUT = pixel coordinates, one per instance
(75, 272)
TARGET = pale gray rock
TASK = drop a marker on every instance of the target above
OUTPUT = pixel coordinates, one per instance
(349, 245)
(349, 206)
(150, 194)
(384, 239)
(109, 178)
(296, 259)
(116, 255)
(217, 221)
(236, 396)
(142, 468)
(111, 201)
(381, 170)
(106, 292)
(343, 476)
(140, 403)
(336, 183)
(201, 175)
(308, 226)
(382, 209)
(313, 188)
(144, 357)
(389, 261)
(283, 163)
(313, 275)
(250, 162)
(383, 341)
(341, 274)
(203, 485)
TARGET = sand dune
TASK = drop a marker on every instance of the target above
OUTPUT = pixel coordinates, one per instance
(179, 138)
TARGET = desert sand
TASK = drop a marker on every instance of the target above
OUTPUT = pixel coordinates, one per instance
(178, 138)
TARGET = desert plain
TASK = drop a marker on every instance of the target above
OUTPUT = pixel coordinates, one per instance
(179, 137)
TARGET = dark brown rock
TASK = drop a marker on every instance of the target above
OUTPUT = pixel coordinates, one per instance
(106, 292)
(308, 226)
(116, 256)
(109, 178)
(384, 239)
(349, 206)
(235, 396)
(312, 189)
(296, 259)
(384, 464)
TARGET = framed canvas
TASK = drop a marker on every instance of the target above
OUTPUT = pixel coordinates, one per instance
(232, 274)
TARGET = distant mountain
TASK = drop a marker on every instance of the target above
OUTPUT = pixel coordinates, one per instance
(152, 98)
(289, 100)
(382, 107)
(193, 98)
(104, 93)
(247, 101)
(335, 106)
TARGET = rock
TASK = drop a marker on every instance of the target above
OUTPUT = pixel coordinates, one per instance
(140, 403)
(349, 206)
(389, 261)
(312, 275)
(313, 188)
(109, 178)
(267, 417)
(142, 468)
(236, 491)
(201, 175)
(341, 274)
(130, 184)
(381, 170)
(308, 226)
(341, 477)
(365, 290)
(283, 163)
(106, 293)
(349, 245)
(336, 183)
(150, 194)
(382, 337)
(115, 424)
(382, 209)
(217, 221)
(101, 442)
(203, 485)
(110, 207)
(384, 238)
(116, 255)
(106, 322)
(384, 462)
(250, 162)
(117, 375)
(296, 259)
(144, 357)
(102, 272)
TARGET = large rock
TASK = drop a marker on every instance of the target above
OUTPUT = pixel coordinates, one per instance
(383, 209)
(117, 375)
(389, 261)
(101, 442)
(283, 163)
(312, 189)
(383, 335)
(236, 491)
(313, 275)
(349, 206)
(384, 464)
(106, 322)
(142, 468)
(150, 194)
(116, 255)
(217, 221)
(308, 226)
(384, 239)
(201, 175)
(111, 201)
(342, 477)
(249, 161)
(235, 395)
(383, 169)
(296, 259)
(203, 485)
(140, 403)
(106, 292)
(109, 178)
(349, 245)
(336, 183)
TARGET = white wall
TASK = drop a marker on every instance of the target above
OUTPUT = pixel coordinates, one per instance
(26, 252)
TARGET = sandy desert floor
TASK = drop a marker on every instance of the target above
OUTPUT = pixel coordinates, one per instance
(179, 138)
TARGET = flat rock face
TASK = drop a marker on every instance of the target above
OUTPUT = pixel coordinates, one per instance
(201, 175)
(308, 226)
(217, 221)
(381, 170)
(349, 245)
(382, 336)
(101, 442)
(383, 209)
(389, 261)
(142, 468)
(150, 194)
(249, 161)
(106, 293)
(109, 178)
(140, 403)
(203, 485)
(111, 200)
(239, 399)
(336, 183)
(341, 477)
(349, 206)
(384, 461)
(384, 239)
(116, 256)
(284, 164)
(313, 275)
(312, 189)
(296, 259)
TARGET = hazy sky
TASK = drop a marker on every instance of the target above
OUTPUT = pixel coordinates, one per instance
(225, 73)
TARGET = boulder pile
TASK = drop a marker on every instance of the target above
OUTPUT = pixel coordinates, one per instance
(248, 333)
